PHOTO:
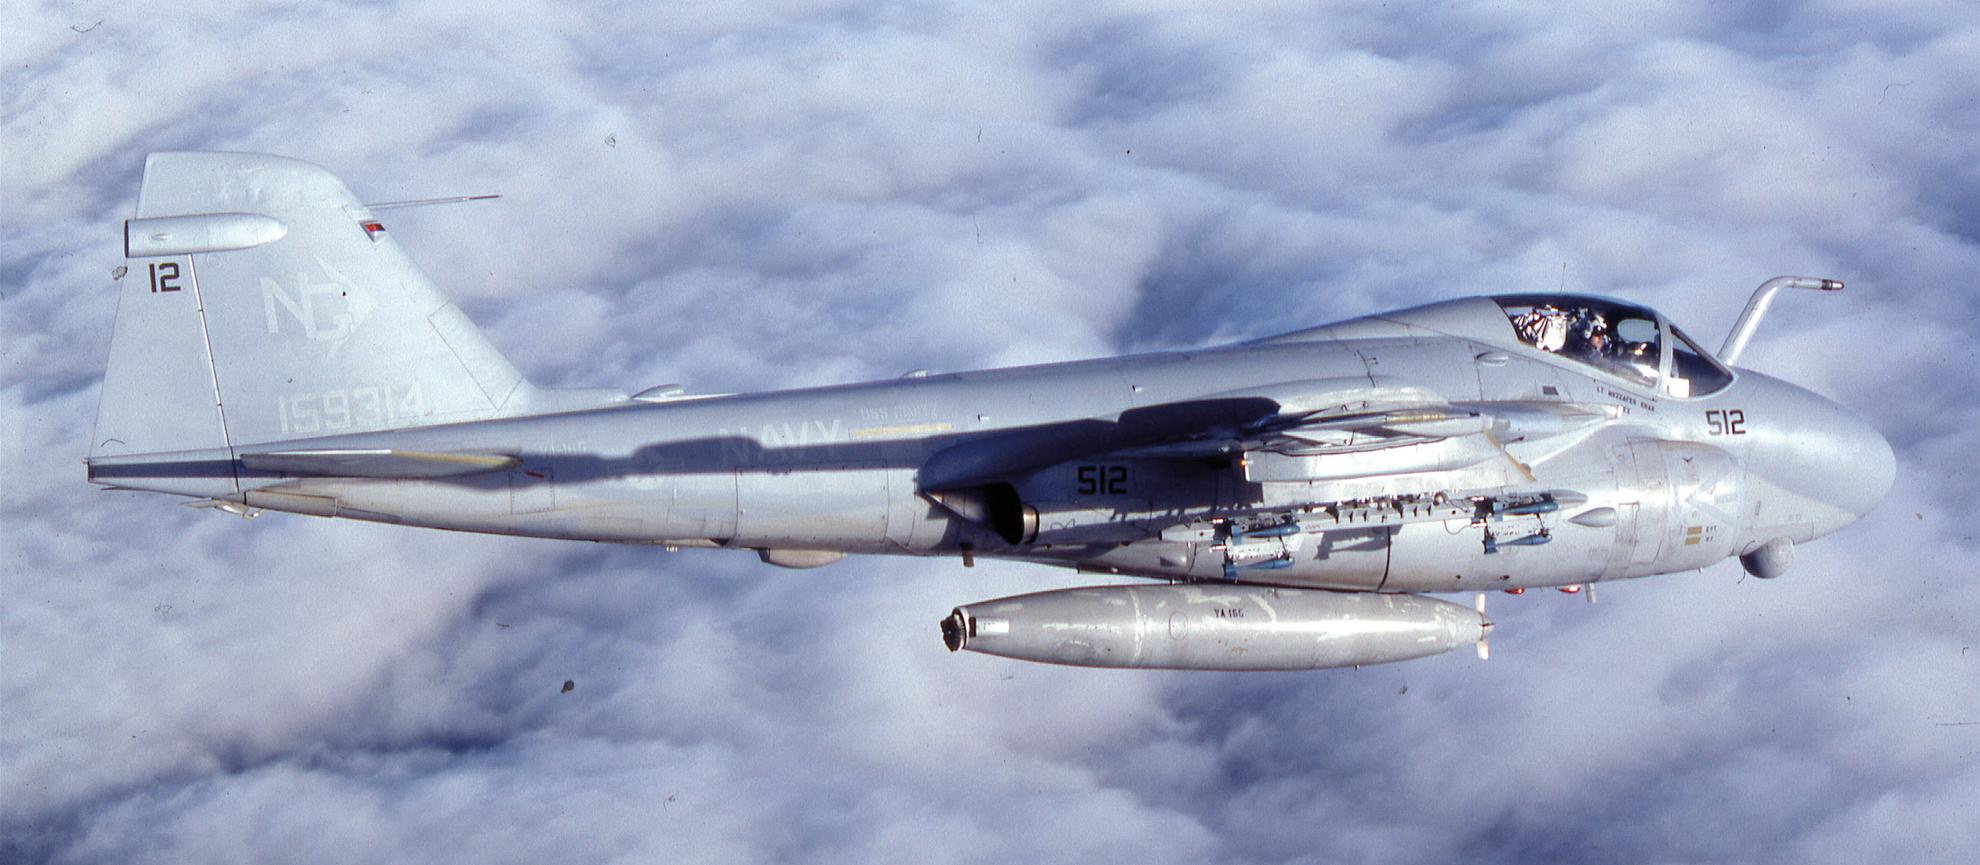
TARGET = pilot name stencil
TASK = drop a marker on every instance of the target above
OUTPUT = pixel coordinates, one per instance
(1628, 400)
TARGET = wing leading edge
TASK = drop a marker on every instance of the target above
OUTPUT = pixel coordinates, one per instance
(1299, 431)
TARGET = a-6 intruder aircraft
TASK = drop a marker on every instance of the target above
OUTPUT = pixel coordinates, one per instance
(1293, 496)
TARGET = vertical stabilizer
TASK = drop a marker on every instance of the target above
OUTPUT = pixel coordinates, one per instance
(265, 302)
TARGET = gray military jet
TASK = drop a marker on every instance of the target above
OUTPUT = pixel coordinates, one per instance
(1294, 498)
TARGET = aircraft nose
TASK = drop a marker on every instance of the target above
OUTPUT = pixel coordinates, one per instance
(1820, 469)
(1868, 468)
(1852, 466)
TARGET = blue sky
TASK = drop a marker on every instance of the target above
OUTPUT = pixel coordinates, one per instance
(788, 194)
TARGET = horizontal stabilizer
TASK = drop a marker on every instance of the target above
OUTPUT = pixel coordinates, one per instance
(379, 463)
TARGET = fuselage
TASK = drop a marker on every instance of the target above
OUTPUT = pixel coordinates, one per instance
(276, 350)
(1656, 483)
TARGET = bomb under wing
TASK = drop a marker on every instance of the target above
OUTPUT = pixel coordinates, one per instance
(1212, 627)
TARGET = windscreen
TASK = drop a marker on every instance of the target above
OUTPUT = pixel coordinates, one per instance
(1693, 372)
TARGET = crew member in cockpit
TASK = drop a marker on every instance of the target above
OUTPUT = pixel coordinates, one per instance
(1639, 360)
(1593, 344)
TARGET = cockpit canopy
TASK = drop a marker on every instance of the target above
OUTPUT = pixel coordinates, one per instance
(1630, 342)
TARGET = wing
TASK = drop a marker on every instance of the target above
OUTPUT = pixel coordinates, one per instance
(1294, 431)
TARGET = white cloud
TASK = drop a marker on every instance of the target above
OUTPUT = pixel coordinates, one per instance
(748, 197)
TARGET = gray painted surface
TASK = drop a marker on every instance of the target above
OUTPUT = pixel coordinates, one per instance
(1427, 450)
